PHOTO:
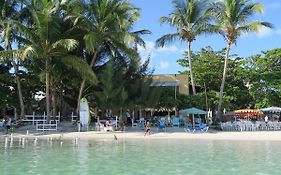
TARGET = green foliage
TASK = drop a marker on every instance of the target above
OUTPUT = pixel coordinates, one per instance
(190, 18)
(8, 95)
(237, 94)
(264, 83)
(232, 18)
(69, 33)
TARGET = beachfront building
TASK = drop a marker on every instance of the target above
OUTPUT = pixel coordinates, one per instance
(178, 82)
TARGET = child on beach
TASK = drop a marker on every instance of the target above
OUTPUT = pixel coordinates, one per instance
(147, 128)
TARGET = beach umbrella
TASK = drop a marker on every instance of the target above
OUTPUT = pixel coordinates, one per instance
(248, 112)
(192, 111)
(272, 109)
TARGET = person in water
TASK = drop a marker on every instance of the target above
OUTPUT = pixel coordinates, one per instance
(147, 128)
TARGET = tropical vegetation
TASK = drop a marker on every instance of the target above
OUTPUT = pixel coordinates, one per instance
(54, 52)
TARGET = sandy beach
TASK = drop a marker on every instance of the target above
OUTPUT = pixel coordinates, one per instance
(136, 133)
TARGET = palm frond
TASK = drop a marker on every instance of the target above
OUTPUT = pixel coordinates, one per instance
(80, 66)
(167, 39)
(21, 53)
(253, 27)
(142, 32)
(68, 44)
(91, 41)
(257, 7)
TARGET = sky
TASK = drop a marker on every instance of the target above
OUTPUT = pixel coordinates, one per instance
(164, 60)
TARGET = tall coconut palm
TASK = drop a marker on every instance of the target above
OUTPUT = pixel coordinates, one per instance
(8, 35)
(191, 19)
(106, 27)
(45, 40)
(232, 18)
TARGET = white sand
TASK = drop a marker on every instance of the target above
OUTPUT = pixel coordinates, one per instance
(212, 135)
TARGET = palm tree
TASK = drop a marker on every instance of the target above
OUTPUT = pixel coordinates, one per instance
(190, 18)
(232, 18)
(106, 27)
(45, 40)
(9, 11)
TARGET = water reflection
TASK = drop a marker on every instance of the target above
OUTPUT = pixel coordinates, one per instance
(104, 156)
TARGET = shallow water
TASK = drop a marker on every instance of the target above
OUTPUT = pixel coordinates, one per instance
(139, 157)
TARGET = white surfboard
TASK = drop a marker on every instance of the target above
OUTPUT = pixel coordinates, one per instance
(84, 114)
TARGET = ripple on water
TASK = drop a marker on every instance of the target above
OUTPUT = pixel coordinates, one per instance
(139, 157)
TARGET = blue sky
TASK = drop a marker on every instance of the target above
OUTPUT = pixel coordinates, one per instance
(164, 60)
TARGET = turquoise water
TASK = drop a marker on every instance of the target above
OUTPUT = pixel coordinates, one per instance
(139, 157)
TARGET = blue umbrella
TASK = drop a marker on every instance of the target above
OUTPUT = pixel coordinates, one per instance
(192, 111)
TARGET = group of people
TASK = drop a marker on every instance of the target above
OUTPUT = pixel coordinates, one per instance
(7, 123)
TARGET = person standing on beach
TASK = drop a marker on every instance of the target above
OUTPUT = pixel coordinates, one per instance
(128, 117)
(8, 124)
(147, 128)
(266, 119)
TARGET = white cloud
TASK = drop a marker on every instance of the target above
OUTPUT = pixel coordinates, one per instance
(152, 51)
(168, 49)
(264, 32)
(164, 65)
(147, 51)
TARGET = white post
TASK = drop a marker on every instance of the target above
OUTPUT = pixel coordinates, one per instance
(33, 118)
(59, 117)
(98, 122)
(44, 118)
(116, 121)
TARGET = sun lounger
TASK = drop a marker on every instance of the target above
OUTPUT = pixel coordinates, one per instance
(202, 128)
(161, 125)
(176, 122)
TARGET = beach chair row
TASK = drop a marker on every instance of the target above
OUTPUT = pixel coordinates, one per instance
(251, 126)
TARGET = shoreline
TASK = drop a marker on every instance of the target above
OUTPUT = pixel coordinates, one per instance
(96, 135)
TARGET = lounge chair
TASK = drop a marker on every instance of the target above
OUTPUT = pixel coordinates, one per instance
(202, 128)
(134, 123)
(141, 123)
(161, 125)
(176, 122)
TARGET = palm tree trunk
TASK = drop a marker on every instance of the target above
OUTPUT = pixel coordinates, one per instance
(53, 99)
(47, 88)
(190, 69)
(226, 60)
(22, 112)
(83, 83)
